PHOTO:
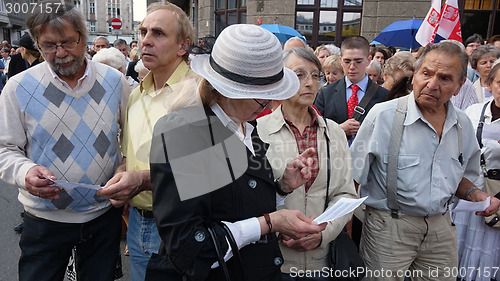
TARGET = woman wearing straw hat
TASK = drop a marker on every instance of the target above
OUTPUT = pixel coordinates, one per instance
(209, 170)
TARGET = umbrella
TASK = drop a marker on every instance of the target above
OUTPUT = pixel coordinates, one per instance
(400, 34)
(283, 32)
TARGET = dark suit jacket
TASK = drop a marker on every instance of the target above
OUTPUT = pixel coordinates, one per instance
(331, 101)
(182, 224)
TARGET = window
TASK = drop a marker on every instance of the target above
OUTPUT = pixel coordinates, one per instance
(229, 12)
(92, 26)
(318, 20)
(92, 8)
(479, 16)
(110, 28)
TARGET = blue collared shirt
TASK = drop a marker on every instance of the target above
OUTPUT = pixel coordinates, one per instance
(429, 169)
(363, 84)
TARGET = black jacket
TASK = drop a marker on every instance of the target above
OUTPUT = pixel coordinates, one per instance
(17, 65)
(182, 224)
(332, 103)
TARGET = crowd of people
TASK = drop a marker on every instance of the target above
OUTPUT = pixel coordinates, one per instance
(219, 155)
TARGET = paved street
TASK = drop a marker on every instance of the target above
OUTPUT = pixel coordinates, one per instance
(10, 210)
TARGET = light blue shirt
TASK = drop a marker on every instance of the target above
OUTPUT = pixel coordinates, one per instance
(429, 169)
(363, 84)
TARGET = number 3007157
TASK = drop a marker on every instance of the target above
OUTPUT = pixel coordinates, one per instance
(25, 8)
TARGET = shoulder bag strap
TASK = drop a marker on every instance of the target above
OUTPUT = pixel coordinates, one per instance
(479, 135)
(220, 254)
(370, 93)
(328, 169)
(223, 147)
(234, 248)
(480, 125)
(392, 163)
(229, 236)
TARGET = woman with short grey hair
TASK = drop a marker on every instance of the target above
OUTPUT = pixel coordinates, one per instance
(292, 128)
(481, 60)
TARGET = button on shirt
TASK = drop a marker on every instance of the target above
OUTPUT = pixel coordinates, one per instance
(429, 169)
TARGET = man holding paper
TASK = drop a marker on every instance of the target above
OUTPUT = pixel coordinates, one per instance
(411, 156)
(60, 120)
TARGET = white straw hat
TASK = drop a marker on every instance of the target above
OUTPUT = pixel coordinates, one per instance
(247, 63)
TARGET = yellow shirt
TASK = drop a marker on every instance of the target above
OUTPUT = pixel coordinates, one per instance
(145, 107)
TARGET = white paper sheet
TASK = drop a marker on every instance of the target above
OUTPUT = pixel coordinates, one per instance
(340, 208)
(71, 185)
(468, 206)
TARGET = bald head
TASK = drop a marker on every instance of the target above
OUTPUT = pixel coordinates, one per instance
(294, 42)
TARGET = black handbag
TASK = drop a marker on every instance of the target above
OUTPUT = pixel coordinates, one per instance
(161, 268)
(343, 255)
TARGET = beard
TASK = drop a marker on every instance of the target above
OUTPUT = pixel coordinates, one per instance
(57, 65)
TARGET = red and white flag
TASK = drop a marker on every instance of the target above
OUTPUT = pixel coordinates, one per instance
(449, 25)
(426, 32)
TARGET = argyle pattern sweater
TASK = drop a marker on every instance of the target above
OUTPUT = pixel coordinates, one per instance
(74, 133)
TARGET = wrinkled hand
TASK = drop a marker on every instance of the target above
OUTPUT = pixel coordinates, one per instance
(294, 224)
(307, 243)
(350, 127)
(123, 186)
(479, 195)
(39, 186)
(297, 171)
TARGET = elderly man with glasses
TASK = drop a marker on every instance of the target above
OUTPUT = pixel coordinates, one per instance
(60, 121)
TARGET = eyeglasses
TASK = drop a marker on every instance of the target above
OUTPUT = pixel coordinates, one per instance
(355, 62)
(50, 48)
(263, 105)
(304, 75)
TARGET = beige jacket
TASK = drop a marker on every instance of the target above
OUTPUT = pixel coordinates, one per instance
(275, 131)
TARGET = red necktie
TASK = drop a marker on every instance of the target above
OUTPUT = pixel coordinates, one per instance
(353, 100)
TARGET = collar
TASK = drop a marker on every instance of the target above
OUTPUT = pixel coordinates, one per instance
(363, 84)
(228, 122)
(414, 113)
(311, 111)
(277, 120)
(233, 127)
(147, 83)
(80, 84)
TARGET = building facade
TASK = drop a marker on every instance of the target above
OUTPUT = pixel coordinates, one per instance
(13, 19)
(329, 21)
(98, 14)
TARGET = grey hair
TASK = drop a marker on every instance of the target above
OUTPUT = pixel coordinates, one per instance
(63, 13)
(296, 38)
(402, 61)
(302, 53)
(320, 48)
(482, 51)
(451, 50)
(494, 71)
(139, 66)
(112, 57)
(100, 38)
(375, 65)
(120, 42)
